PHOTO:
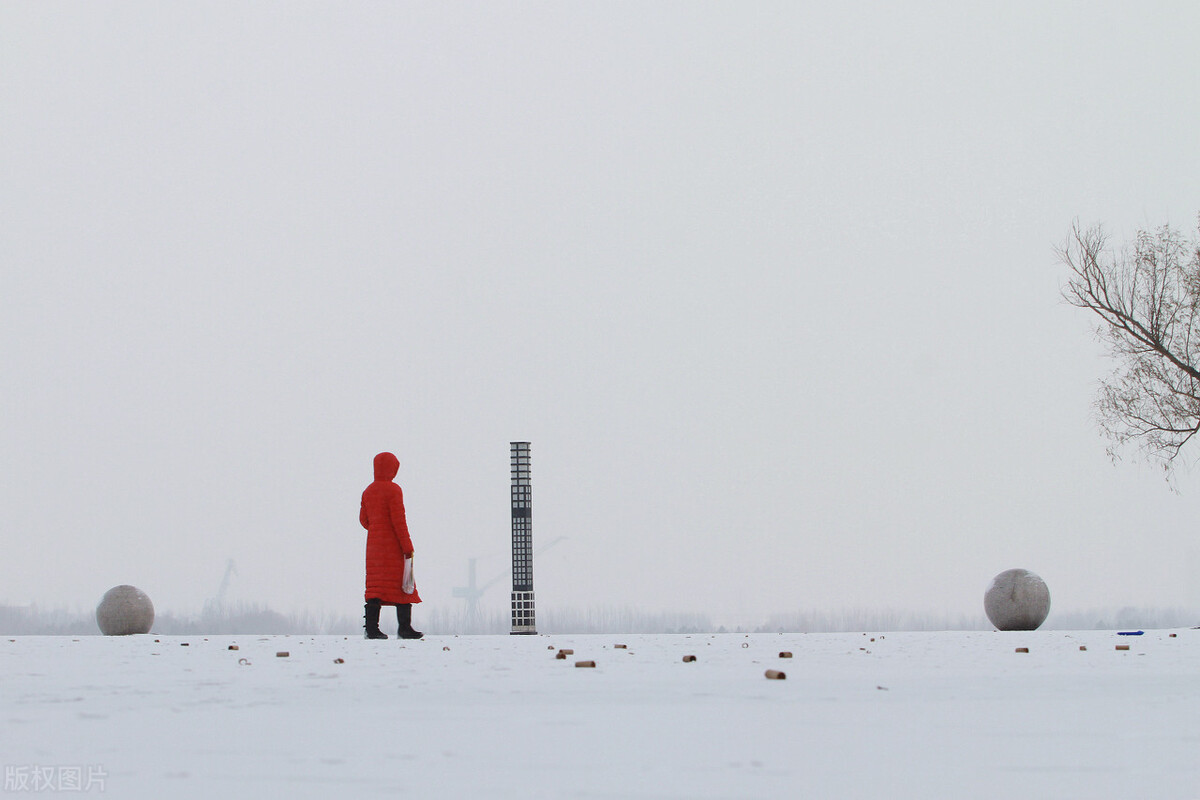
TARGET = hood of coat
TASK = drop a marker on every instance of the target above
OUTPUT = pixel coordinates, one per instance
(386, 466)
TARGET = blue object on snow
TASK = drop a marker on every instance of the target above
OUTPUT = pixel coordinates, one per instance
(1130, 633)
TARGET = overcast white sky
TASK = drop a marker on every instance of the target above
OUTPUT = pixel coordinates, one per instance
(770, 287)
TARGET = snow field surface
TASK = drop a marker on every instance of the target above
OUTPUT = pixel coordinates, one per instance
(922, 715)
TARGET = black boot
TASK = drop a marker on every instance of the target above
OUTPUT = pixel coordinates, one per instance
(371, 615)
(404, 618)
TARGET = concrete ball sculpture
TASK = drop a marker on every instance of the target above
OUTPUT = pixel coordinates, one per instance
(1017, 600)
(124, 610)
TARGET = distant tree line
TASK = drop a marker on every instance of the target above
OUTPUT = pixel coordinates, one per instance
(241, 618)
(252, 618)
(865, 619)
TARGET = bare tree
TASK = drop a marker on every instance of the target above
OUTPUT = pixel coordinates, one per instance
(1147, 299)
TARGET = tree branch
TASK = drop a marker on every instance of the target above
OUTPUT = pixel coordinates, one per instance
(1147, 305)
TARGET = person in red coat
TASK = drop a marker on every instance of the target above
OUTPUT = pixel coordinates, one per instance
(388, 547)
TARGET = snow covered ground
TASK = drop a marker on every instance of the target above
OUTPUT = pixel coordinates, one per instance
(920, 715)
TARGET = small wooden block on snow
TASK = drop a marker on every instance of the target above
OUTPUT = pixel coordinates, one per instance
(785, 654)
(688, 659)
(1022, 649)
(1122, 647)
(776, 675)
(282, 654)
(585, 663)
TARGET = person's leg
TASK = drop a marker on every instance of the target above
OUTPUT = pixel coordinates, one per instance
(404, 619)
(371, 616)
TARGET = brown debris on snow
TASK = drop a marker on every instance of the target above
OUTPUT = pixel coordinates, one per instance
(776, 675)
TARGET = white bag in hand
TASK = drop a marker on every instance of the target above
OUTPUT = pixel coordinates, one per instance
(409, 584)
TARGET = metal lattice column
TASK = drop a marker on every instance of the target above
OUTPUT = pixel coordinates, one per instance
(523, 618)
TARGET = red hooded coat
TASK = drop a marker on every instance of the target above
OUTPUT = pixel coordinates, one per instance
(382, 514)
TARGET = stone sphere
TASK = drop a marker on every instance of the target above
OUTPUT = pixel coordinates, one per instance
(124, 610)
(1017, 600)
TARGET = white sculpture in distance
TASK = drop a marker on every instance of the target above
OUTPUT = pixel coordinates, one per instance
(1017, 600)
(124, 610)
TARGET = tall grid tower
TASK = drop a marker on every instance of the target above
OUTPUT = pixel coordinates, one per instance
(523, 619)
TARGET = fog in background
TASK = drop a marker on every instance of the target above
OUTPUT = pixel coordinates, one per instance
(770, 288)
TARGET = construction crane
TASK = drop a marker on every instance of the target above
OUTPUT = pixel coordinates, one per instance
(218, 603)
(472, 591)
